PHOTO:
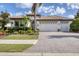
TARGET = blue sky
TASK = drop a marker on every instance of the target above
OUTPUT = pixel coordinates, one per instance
(46, 9)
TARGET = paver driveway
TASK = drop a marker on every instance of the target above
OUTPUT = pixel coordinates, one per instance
(56, 42)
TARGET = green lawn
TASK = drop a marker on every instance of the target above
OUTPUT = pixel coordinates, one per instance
(19, 37)
(14, 47)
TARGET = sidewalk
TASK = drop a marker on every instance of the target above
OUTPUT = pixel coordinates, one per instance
(37, 54)
(18, 41)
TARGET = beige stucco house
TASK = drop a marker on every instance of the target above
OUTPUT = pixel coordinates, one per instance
(44, 23)
(52, 23)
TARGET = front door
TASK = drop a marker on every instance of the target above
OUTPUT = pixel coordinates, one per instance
(16, 23)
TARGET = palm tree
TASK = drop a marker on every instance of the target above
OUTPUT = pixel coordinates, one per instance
(34, 9)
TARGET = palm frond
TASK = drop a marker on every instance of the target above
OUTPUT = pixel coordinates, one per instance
(39, 4)
(35, 5)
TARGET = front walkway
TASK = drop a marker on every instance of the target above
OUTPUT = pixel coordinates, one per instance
(2, 41)
(56, 42)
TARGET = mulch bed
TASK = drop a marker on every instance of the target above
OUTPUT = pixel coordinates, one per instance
(2, 35)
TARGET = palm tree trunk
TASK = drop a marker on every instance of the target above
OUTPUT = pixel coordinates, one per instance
(35, 18)
(34, 9)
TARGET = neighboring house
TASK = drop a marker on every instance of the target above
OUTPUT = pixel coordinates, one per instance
(44, 23)
(16, 21)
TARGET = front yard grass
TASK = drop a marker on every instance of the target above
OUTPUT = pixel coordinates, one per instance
(14, 47)
(21, 37)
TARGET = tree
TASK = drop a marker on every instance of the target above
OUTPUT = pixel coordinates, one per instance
(74, 26)
(34, 9)
(5, 18)
(25, 20)
(77, 15)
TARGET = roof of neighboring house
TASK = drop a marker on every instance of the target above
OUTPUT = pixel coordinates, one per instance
(16, 17)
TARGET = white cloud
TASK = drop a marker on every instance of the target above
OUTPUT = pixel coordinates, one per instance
(39, 10)
(24, 5)
(43, 9)
(11, 14)
(29, 12)
(46, 9)
(71, 16)
(60, 10)
(52, 6)
(57, 11)
(73, 6)
(18, 14)
(51, 10)
(52, 13)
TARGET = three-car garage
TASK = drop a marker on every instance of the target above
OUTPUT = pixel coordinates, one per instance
(54, 25)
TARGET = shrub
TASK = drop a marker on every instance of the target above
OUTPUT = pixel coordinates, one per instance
(20, 28)
(1, 30)
(21, 31)
(16, 32)
(74, 26)
(30, 28)
(29, 31)
(7, 31)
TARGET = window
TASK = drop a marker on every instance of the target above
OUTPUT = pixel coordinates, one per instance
(48, 22)
(63, 22)
(16, 23)
(43, 22)
(11, 22)
(54, 22)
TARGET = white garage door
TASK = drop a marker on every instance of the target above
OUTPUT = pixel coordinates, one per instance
(48, 26)
(64, 26)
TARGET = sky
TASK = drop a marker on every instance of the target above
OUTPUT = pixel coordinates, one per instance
(46, 9)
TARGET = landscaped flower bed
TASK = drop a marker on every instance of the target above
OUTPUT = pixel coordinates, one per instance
(2, 33)
(19, 34)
